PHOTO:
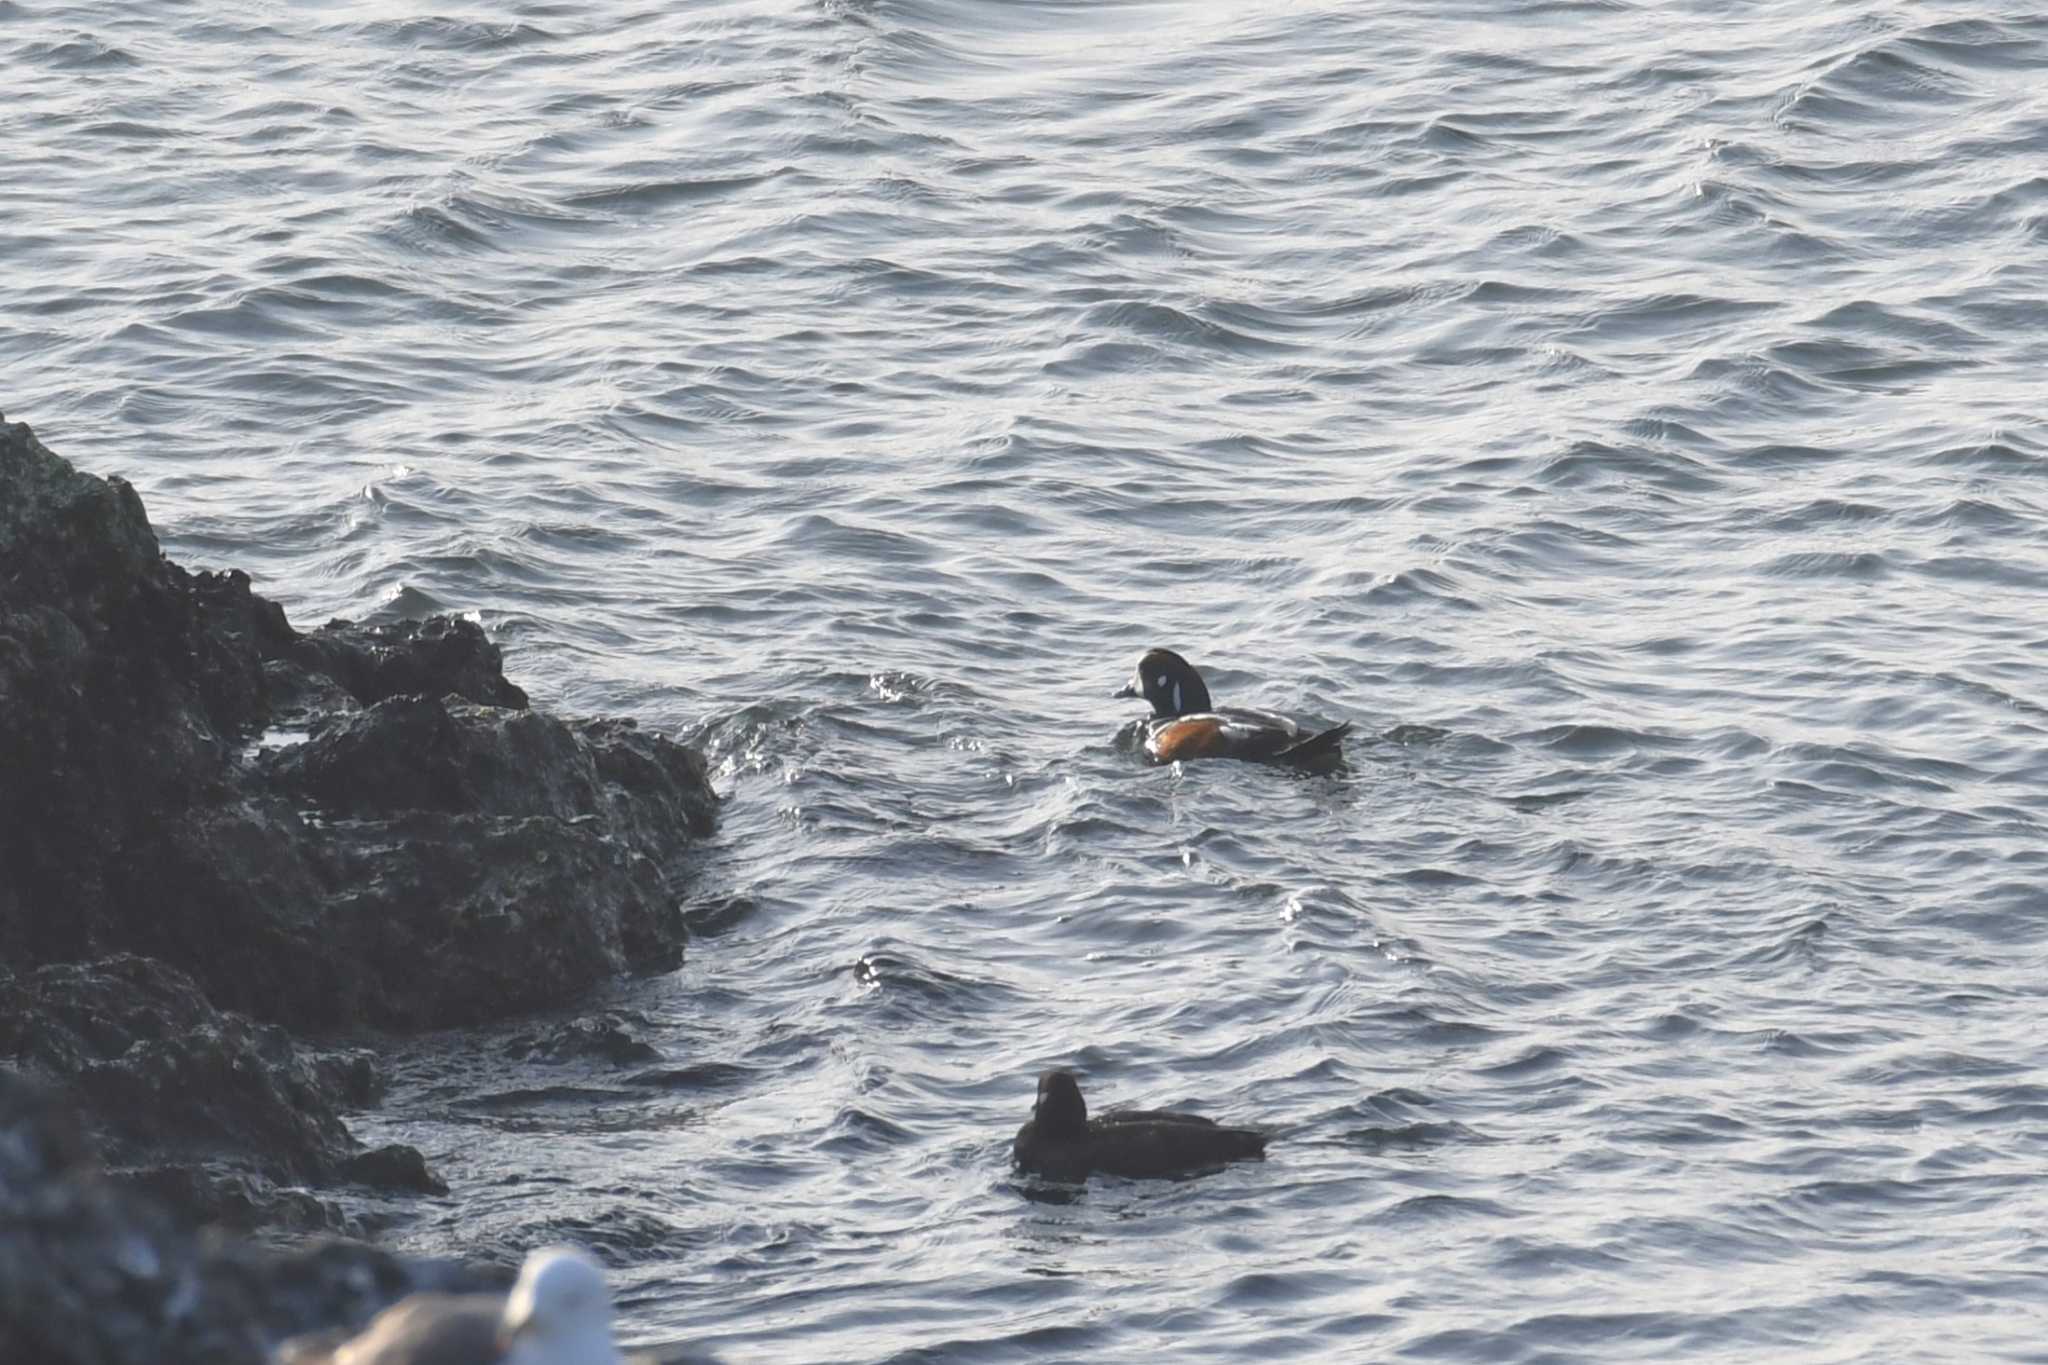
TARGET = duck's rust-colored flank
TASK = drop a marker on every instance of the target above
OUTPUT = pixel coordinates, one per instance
(1185, 739)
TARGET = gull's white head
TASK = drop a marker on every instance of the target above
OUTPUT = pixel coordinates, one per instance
(560, 1312)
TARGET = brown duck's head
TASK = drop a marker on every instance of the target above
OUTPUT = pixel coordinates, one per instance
(1060, 1111)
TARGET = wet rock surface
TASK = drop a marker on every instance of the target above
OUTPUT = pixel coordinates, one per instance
(609, 1039)
(94, 1272)
(222, 1119)
(220, 836)
(435, 854)
(373, 663)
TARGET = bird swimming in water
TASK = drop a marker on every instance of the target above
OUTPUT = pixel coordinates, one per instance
(1186, 725)
(1061, 1142)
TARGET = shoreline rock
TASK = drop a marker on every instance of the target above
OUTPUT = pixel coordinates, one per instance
(220, 835)
(223, 1120)
(94, 1273)
(433, 854)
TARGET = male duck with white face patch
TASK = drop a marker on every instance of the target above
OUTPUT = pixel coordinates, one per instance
(1186, 725)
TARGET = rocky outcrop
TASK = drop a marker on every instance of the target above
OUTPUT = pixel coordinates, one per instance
(95, 1273)
(223, 1120)
(433, 854)
(215, 828)
(528, 861)
(427, 658)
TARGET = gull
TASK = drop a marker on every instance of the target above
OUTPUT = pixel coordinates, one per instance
(559, 1313)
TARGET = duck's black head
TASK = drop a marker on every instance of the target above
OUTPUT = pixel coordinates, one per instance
(1169, 682)
(1059, 1111)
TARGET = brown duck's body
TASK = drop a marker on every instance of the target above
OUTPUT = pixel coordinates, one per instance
(1061, 1142)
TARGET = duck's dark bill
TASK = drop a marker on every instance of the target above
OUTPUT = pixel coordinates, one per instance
(1127, 690)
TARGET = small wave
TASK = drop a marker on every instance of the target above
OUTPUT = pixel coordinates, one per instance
(424, 229)
(446, 34)
(659, 194)
(79, 54)
(2016, 44)
(1165, 324)
(1866, 566)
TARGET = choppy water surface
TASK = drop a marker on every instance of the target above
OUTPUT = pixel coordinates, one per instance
(1630, 415)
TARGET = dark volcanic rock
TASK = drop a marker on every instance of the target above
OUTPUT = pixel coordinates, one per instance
(434, 657)
(533, 843)
(436, 855)
(113, 695)
(216, 1116)
(173, 884)
(606, 1038)
(93, 1273)
(394, 1166)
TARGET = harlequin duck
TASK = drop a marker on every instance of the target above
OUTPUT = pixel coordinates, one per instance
(1185, 725)
(1062, 1143)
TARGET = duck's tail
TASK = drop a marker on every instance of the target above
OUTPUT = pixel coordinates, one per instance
(1318, 749)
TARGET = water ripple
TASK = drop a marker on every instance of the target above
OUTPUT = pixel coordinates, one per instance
(1632, 426)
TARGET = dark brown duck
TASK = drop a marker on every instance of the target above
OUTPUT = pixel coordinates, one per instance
(1062, 1143)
